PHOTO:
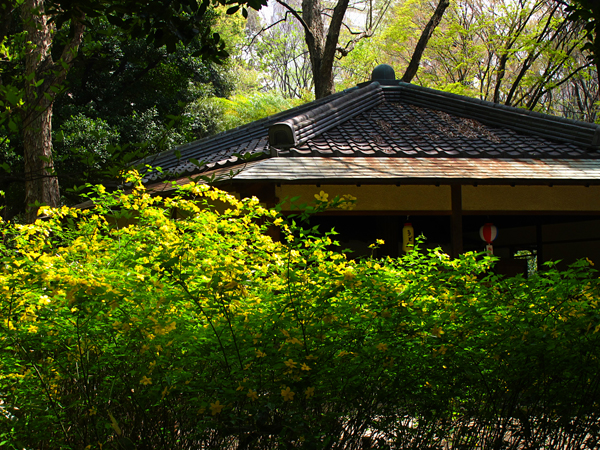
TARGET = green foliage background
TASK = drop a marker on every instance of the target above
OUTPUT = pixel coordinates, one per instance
(145, 322)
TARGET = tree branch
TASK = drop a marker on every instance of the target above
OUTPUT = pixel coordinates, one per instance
(263, 29)
(333, 33)
(415, 61)
(307, 29)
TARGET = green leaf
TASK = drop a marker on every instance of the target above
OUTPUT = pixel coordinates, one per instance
(12, 95)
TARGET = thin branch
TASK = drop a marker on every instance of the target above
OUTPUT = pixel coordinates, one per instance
(298, 17)
(263, 29)
(343, 51)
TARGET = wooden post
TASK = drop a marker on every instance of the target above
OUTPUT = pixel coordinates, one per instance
(456, 220)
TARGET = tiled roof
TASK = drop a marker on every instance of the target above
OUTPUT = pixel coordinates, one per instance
(400, 121)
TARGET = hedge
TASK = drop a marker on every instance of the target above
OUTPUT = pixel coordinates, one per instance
(177, 323)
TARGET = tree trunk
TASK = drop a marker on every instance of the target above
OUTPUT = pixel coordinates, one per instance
(415, 61)
(44, 80)
(315, 40)
(321, 45)
(41, 184)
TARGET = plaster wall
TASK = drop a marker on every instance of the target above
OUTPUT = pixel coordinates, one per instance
(531, 198)
(437, 198)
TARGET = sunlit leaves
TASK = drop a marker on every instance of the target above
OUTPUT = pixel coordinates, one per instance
(173, 321)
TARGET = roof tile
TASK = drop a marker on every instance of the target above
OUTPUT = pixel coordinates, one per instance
(403, 121)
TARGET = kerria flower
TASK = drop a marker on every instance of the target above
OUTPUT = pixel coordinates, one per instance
(216, 407)
(382, 347)
(287, 394)
(322, 196)
(290, 363)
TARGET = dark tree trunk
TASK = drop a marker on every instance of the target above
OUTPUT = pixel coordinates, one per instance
(322, 46)
(41, 184)
(415, 61)
(45, 79)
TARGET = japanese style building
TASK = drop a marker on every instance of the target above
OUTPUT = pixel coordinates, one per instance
(448, 164)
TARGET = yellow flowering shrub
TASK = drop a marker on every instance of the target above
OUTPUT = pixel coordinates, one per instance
(149, 322)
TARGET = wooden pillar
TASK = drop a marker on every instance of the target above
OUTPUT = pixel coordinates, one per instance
(456, 220)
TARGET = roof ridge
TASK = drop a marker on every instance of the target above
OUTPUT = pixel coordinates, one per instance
(530, 122)
(296, 130)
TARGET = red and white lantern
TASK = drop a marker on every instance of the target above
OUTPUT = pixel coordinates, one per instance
(488, 233)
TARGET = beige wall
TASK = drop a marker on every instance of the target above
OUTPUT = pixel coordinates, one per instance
(432, 198)
(531, 198)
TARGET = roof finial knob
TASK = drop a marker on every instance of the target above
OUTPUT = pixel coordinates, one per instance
(383, 72)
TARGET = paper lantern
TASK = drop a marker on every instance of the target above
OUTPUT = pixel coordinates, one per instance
(488, 233)
(408, 237)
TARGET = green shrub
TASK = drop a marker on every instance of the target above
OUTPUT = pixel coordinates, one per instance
(150, 323)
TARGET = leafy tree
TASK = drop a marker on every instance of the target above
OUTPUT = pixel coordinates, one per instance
(137, 90)
(524, 54)
(279, 51)
(328, 36)
(588, 13)
(238, 110)
(434, 21)
(42, 37)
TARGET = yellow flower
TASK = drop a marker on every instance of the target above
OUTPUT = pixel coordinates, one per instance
(382, 347)
(252, 395)
(290, 363)
(347, 201)
(379, 241)
(304, 366)
(260, 354)
(322, 196)
(287, 394)
(216, 407)
(309, 392)
(145, 380)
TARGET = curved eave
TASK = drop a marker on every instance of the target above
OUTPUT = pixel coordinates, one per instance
(374, 170)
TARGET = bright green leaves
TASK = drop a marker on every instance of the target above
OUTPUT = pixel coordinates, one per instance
(142, 315)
